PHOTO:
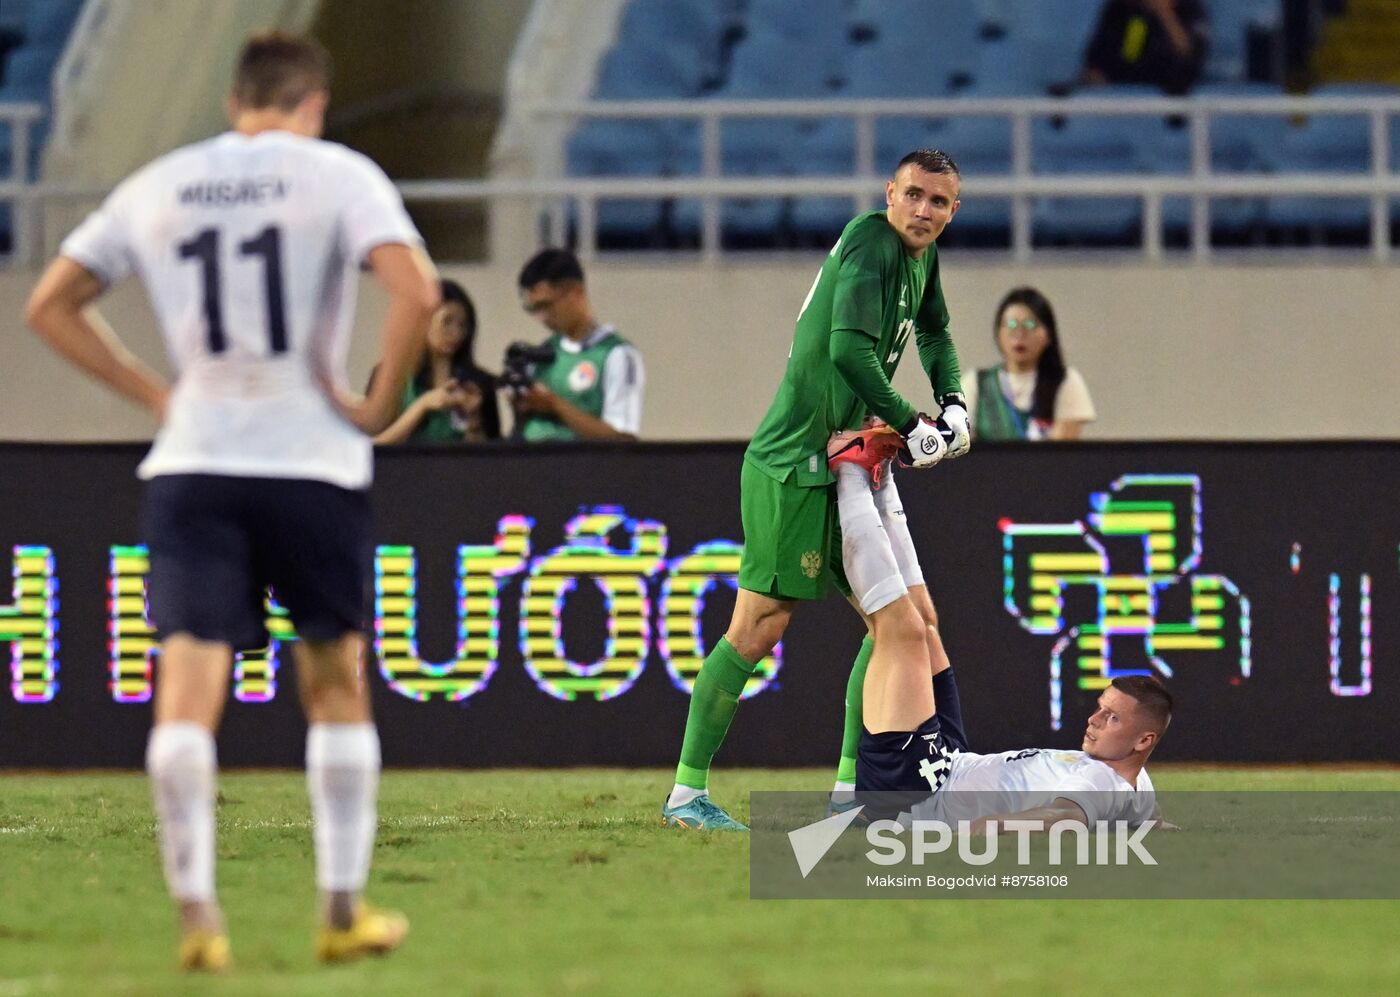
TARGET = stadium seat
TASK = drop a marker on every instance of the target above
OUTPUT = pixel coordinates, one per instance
(826, 151)
(1231, 22)
(1243, 143)
(1327, 143)
(49, 22)
(818, 20)
(1239, 143)
(606, 148)
(641, 148)
(14, 14)
(768, 63)
(28, 71)
(1044, 43)
(927, 55)
(693, 30)
(1089, 144)
(637, 72)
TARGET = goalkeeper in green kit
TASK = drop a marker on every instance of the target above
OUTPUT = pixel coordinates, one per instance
(878, 285)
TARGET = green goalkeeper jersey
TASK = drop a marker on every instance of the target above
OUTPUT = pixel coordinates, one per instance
(871, 286)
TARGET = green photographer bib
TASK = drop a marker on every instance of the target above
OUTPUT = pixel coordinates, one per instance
(575, 377)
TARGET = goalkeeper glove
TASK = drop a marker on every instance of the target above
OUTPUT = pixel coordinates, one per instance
(924, 445)
(955, 423)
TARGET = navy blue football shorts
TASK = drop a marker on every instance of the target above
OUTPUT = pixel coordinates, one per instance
(217, 542)
(906, 767)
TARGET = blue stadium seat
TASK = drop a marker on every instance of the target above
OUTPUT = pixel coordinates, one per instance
(635, 72)
(1088, 145)
(1230, 24)
(605, 148)
(692, 30)
(1072, 19)
(927, 54)
(826, 150)
(49, 22)
(767, 64)
(1244, 143)
(28, 71)
(994, 17)
(1239, 143)
(823, 21)
(1327, 143)
(1045, 41)
(14, 14)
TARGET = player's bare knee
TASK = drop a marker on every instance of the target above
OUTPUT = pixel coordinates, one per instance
(923, 602)
(757, 640)
(899, 623)
(757, 625)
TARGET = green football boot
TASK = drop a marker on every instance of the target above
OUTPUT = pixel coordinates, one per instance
(699, 815)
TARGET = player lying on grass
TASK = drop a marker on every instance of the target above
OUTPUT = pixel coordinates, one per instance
(1105, 780)
(912, 741)
(878, 288)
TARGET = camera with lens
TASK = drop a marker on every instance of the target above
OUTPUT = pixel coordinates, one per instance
(521, 361)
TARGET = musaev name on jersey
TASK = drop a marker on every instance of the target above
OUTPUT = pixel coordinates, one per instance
(894, 843)
(232, 193)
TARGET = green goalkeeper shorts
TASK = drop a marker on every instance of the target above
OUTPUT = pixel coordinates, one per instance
(792, 540)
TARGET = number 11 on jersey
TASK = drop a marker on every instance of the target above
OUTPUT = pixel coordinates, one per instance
(204, 247)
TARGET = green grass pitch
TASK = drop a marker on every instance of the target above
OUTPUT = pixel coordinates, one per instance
(561, 882)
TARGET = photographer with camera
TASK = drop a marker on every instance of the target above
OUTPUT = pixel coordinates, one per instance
(585, 382)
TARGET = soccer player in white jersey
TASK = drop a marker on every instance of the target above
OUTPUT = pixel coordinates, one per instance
(912, 741)
(1105, 780)
(249, 245)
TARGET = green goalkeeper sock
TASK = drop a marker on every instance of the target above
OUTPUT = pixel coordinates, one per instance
(713, 701)
(855, 690)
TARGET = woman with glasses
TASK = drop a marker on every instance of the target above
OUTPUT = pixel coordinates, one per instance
(450, 399)
(1032, 394)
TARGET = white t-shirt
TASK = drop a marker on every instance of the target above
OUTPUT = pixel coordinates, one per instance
(249, 248)
(1012, 781)
(624, 380)
(1072, 401)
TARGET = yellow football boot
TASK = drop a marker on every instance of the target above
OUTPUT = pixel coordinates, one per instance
(205, 952)
(373, 932)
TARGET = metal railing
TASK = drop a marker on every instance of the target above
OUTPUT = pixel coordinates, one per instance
(17, 190)
(551, 192)
(1021, 185)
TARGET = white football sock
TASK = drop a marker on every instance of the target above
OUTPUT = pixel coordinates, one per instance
(865, 546)
(681, 795)
(897, 529)
(843, 792)
(342, 776)
(181, 762)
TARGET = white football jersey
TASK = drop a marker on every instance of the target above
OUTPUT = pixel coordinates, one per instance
(1012, 781)
(250, 247)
